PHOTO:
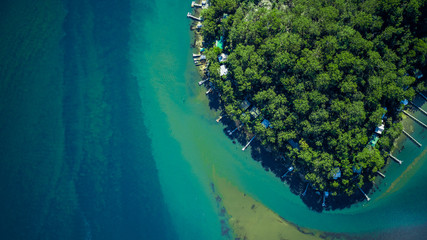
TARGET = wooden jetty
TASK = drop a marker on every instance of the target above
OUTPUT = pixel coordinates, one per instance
(395, 159)
(194, 4)
(203, 81)
(415, 119)
(193, 17)
(231, 132)
(412, 138)
(209, 91)
(366, 196)
(196, 55)
(303, 194)
(422, 110)
(247, 145)
(381, 174)
(219, 119)
(422, 95)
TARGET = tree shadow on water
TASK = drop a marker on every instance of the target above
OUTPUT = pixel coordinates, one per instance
(273, 162)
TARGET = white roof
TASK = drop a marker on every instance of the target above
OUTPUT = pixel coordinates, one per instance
(380, 129)
(222, 57)
(223, 70)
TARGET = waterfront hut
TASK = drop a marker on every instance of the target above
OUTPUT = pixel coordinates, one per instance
(202, 58)
(222, 57)
(223, 70)
(202, 49)
(266, 123)
(293, 144)
(404, 102)
(382, 117)
(357, 169)
(219, 43)
(255, 112)
(244, 105)
(379, 130)
(374, 140)
(199, 25)
(418, 74)
(336, 173)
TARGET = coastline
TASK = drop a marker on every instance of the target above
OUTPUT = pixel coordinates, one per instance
(243, 138)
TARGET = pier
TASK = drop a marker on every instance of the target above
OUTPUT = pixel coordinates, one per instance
(209, 91)
(303, 194)
(194, 4)
(203, 81)
(381, 174)
(366, 196)
(196, 55)
(415, 119)
(290, 169)
(193, 17)
(247, 145)
(412, 138)
(422, 110)
(218, 119)
(422, 95)
(231, 132)
(395, 159)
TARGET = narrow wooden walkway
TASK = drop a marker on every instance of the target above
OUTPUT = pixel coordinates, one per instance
(193, 17)
(422, 95)
(395, 159)
(381, 174)
(412, 138)
(422, 110)
(415, 119)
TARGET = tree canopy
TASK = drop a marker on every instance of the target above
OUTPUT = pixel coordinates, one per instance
(322, 72)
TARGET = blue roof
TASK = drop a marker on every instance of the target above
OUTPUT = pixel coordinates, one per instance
(357, 169)
(384, 113)
(293, 144)
(266, 123)
(337, 173)
(219, 43)
(404, 102)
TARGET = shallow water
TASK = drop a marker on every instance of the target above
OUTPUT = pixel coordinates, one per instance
(180, 121)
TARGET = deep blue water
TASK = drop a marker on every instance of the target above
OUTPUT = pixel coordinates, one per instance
(76, 161)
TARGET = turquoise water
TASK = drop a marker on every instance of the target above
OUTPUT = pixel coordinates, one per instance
(106, 135)
(76, 162)
(187, 138)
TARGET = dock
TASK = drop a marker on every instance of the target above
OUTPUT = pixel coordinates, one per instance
(412, 138)
(194, 4)
(422, 110)
(415, 119)
(395, 159)
(193, 17)
(209, 91)
(366, 196)
(422, 95)
(218, 119)
(381, 174)
(247, 145)
(203, 81)
(196, 55)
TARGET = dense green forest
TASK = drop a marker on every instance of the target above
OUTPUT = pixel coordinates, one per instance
(323, 73)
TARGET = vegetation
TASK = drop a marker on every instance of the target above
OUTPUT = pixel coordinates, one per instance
(322, 72)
